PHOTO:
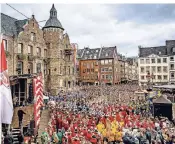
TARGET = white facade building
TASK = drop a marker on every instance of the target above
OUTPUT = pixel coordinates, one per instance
(172, 69)
(153, 65)
(159, 62)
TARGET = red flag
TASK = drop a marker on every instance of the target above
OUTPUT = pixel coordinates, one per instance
(5, 97)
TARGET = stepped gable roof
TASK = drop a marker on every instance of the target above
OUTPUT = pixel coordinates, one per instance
(146, 51)
(53, 20)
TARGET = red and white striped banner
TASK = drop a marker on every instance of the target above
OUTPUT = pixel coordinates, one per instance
(38, 99)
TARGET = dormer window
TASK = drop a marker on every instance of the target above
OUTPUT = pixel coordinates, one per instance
(173, 50)
(107, 54)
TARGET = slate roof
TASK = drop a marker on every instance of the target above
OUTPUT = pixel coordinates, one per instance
(97, 53)
(108, 52)
(91, 53)
(146, 51)
(53, 20)
(11, 26)
(79, 53)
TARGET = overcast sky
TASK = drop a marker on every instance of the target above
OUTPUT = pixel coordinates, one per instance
(95, 25)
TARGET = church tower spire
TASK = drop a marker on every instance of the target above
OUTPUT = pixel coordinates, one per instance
(53, 12)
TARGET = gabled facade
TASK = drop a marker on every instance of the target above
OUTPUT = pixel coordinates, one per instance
(98, 65)
(30, 50)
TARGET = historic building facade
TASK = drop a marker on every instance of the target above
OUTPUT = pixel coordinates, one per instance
(60, 55)
(31, 50)
(153, 65)
(98, 65)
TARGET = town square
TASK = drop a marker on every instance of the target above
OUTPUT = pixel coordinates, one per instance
(87, 74)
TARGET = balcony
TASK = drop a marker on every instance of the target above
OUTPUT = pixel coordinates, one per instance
(21, 56)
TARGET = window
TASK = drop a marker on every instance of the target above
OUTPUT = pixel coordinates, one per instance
(159, 77)
(110, 69)
(173, 50)
(153, 61)
(107, 54)
(158, 60)
(141, 61)
(73, 71)
(5, 45)
(96, 63)
(45, 69)
(61, 54)
(106, 61)
(106, 69)
(103, 76)
(158, 69)
(20, 48)
(172, 58)
(30, 50)
(107, 77)
(60, 69)
(64, 83)
(164, 60)
(95, 56)
(172, 66)
(147, 61)
(45, 53)
(153, 69)
(87, 52)
(90, 56)
(38, 51)
(65, 70)
(33, 37)
(142, 77)
(172, 75)
(38, 67)
(110, 61)
(69, 69)
(102, 62)
(30, 68)
(164, 69)
(147, 69)
(20, 67)
(165, 77)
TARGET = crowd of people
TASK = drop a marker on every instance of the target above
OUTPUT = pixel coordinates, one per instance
(105, 114)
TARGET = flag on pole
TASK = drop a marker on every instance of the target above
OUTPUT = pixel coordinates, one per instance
(38, 99)
(5, 92)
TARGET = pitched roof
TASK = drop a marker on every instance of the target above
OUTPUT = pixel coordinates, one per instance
(108, 52)
(146, 51)
(53, 20)
(11, 26)
(91, 53)
(162, 100)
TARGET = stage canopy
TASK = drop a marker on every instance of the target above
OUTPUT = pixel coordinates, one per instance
(165, 86)
(162, 107)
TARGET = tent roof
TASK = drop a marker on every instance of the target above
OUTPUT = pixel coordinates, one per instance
(162, 100)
